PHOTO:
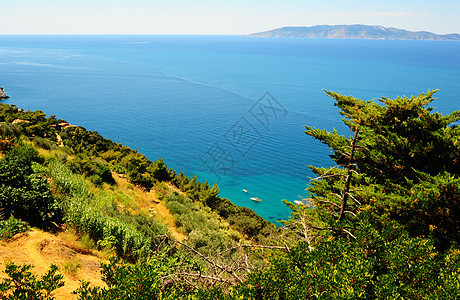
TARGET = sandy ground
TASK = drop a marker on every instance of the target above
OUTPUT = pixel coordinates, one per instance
(41, 249)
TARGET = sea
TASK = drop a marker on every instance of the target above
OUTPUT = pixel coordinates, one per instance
(229, 109)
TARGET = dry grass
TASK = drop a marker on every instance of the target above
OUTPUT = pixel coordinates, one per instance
(72, 266)
(133, 198)
(74, 241)
(147, 202)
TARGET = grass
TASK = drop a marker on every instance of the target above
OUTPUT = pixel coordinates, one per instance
(72, 266)
(138, 199)
(94, 211)
(133, 216)
(79, 243)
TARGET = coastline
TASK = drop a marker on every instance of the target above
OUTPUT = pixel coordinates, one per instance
(3, 96)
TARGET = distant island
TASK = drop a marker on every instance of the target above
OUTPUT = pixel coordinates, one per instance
(354, 32)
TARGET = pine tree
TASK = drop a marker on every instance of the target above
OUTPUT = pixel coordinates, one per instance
(402, 162)
(383, 222)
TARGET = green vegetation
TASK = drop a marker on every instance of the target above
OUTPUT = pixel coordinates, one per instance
(381, 224)
(91, 155)
(140, 281)
(203, 227)
(10, 227)
(22, 284)
(135, 236)
(24, 192)
(72, 266)
(241, 218)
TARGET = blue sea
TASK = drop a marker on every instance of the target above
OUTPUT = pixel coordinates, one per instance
(229, 109)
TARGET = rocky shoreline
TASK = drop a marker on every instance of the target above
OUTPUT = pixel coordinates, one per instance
(3, 96)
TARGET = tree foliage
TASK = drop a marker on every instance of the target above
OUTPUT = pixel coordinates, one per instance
(24, 193)
(383, 222)
(403, 164)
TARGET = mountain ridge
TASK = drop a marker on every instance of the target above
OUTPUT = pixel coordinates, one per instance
(356, 31)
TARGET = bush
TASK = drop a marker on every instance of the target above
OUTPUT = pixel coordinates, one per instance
(25, 193)
(10, 131)
(61, 156)
(96, 170)
(204, 228)
(10, 227)
(22, 284)
(242, 219)
(6, 145)
(43, 143)
(382, 263)
(127, 281)
(160, 171)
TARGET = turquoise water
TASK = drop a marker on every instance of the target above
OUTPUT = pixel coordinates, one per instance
(195, 101)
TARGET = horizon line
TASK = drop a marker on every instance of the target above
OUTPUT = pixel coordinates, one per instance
(231, 34)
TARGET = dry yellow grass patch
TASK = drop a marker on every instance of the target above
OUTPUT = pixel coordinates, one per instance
(41, 249)
(148, 202)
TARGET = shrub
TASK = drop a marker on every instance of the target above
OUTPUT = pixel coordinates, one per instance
(22, 284)
(43, 143)
(72, 266)
(127, 281)
(96, 179)
(160, 171)
(6, 145)
(61, 156)
(92, 167)
(10, 131)
(204, 228)
(25, 193)
(10, 227)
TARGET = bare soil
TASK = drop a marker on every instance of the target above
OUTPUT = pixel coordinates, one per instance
(41, 249)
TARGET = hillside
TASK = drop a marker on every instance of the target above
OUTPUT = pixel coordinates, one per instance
(41, 249)
(354, 32)
(380, 224)
(108, 199)
(77, 257)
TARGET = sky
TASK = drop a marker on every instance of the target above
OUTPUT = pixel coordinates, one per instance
(219, 17)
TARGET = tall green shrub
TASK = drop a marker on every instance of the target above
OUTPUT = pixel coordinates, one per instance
(24, 193)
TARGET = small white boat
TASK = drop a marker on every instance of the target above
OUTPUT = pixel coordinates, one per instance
(245, 190)
(256, 199)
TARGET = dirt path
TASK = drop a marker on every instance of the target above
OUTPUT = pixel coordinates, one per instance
(41, 249)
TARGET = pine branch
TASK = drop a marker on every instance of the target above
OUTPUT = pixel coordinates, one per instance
(329, 202)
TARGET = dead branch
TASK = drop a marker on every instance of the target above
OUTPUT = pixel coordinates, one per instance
(199, 275)
(212, 262)
(354, 199)
(351, 213)
(349, 233)
(328, 202)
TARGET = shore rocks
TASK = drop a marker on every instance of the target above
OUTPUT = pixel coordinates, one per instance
(3, 96)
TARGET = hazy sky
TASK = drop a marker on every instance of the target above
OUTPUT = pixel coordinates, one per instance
(219, 17)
